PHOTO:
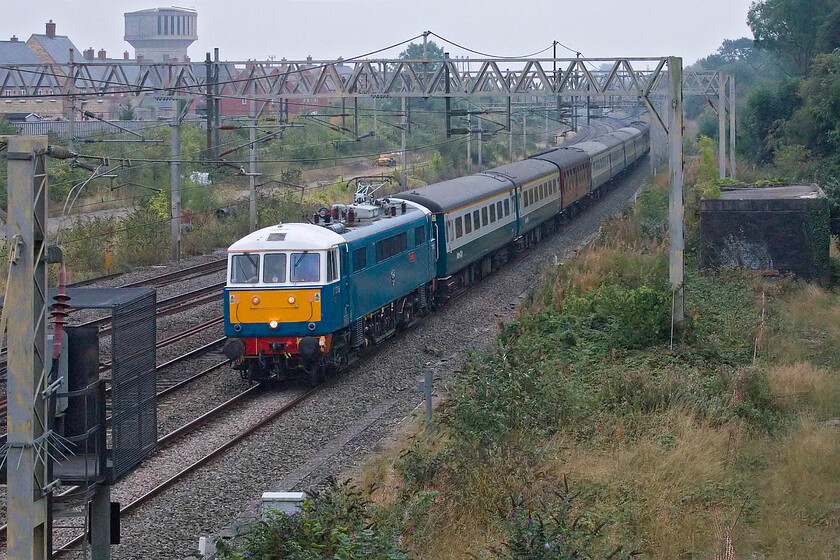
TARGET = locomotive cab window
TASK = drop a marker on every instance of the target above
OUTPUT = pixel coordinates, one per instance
(245, 269)
(419, 236)
(332, 265)
(306, 267)
(274, 268)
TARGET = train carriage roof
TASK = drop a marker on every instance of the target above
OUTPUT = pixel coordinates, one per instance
(593, 148)
(454, 193)
(563, 157)
(523, 172)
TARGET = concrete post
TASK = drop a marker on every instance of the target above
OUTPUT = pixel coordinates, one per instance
(252, 164)
(732, 166)
(175, 179)
(26, 308)
(675, 209)
(404, 131)
(722, 125)
(509, 130)
(100, 523)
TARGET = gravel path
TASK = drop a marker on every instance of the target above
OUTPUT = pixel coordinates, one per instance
(336, 429)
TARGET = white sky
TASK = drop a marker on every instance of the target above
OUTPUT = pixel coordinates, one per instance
(327, 29)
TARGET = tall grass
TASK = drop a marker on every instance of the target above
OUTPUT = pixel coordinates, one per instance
(724, 446)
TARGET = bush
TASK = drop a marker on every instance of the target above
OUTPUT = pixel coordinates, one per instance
(336, 523)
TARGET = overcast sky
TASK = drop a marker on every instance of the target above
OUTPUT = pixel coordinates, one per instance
(327, 29)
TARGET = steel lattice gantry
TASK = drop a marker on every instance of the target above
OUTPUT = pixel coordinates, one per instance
(360, 78)
(647, 80)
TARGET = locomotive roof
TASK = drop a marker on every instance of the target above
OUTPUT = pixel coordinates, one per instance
(455, 193)
(312, 237)
(288, 237)
(386, 222)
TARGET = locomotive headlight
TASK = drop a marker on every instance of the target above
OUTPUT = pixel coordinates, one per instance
(272, 324)
(255, 300)
(292, 300)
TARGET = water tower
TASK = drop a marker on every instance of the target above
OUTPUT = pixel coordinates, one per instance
(161, 34)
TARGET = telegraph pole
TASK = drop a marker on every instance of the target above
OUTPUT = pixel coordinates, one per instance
(29, 528)
(175, 178)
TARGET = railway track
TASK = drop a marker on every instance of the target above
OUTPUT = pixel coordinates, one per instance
(217, 414)
(167, 385)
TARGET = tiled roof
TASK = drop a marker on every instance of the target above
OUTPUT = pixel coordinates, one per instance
(58, 47)
(12, 52)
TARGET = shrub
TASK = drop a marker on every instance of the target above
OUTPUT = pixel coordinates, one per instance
(336, 523)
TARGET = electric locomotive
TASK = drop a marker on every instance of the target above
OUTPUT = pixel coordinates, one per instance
(302, 300)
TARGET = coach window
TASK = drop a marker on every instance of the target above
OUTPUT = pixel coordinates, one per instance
(476, 220)
(359, 259)
(499, 211)
(419, 236)
(468, 223)
(524, 198)
(274, 268)
(507, 207)
(459, 228)
(306, 267)
(245, 269)
(492, 213)
(484, 220)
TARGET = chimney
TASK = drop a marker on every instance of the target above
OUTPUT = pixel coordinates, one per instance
(125, 55)
(88, 53)
(51, 30)
(140, 58)
(14, 39)
(309, 58)
(101, 54)
(187, 59)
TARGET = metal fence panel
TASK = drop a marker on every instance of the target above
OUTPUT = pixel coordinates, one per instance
(134, 416)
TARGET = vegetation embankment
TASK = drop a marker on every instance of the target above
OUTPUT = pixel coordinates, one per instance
(589, 431)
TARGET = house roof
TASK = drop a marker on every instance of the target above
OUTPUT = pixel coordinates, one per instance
(16, 52)
(58, 47)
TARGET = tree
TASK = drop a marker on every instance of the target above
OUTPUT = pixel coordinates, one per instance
(126, 112)
(6, 127)
(414, 51)
(790, 28)
(768, 106)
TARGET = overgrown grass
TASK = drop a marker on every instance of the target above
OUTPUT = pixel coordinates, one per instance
(588, 424)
